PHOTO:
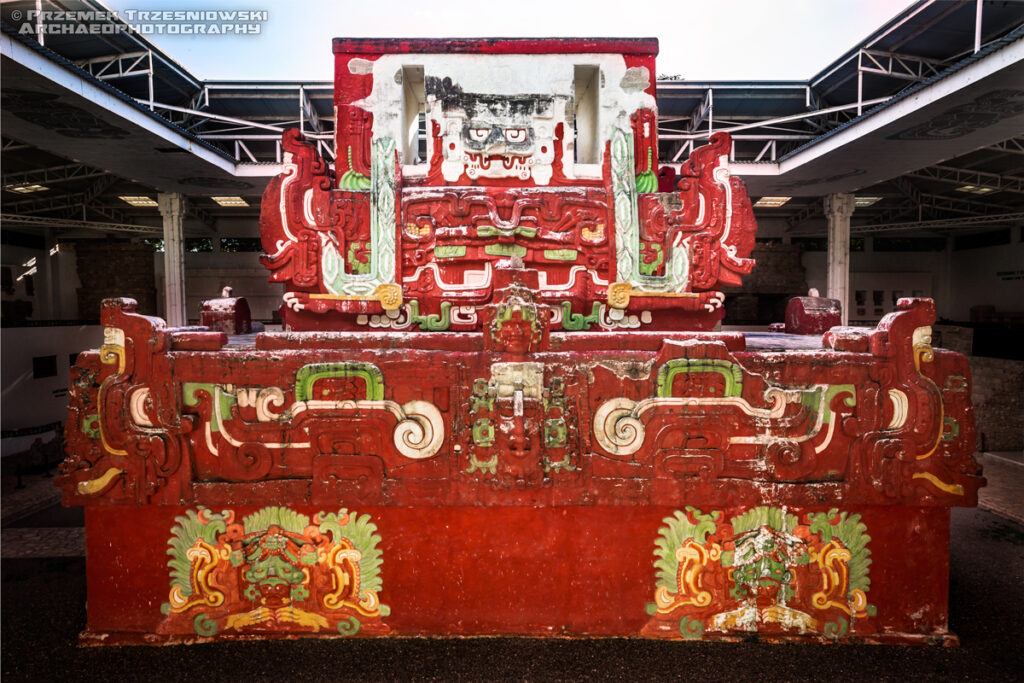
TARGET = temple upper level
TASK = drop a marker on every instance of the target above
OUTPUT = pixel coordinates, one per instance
(497, 112)
(458, 157)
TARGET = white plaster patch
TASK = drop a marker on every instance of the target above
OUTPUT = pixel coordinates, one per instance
(636, 78)
(360, 66)
(508, 75)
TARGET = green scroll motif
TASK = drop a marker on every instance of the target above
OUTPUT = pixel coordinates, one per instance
(563, 465)
(652, 267)
(578, 321)
(433, 322)
(381, 267)
(481, 398)
(358, 267)
(628, 261)
(450, 251)
(489, 466)
(90, 426)
(691, 629)
(483, 433)
(203, 625)
(819, 397)
(561, 254)
(350, 627)
(836, 629)
(505, 250)
(852, 533)
(950, 429)
(677, 530)
(731, 372)
(556, 433)
(362, 532)
(308, 375)
(225, 399)
(646, 181)
(351, 180)
(187, 530)
(955, 383)
(495, 231)
(814, 398)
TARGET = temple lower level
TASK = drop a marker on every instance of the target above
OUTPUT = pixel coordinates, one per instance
(518, 481)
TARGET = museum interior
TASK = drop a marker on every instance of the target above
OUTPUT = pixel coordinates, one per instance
(899, 165)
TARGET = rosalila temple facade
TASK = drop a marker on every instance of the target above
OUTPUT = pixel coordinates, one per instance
(499, 405)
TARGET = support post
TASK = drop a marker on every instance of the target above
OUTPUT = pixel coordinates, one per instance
(944, 293)
(860, 85)
(172, 208)
(49, 299)
(838, 209)
(977, 25)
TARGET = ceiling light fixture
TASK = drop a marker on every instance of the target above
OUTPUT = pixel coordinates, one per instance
(137, 200)
(771, 202)
(230, 201)
(25, 188)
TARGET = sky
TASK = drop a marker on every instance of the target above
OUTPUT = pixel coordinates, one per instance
(700, 39)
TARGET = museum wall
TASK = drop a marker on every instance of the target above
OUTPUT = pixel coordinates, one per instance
(20, 297)
(227, 257)
(114, 268)
(35, 364)
(992, 276)
(998, 396)
(206, 274)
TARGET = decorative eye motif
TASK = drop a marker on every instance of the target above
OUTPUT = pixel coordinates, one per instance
(515, 134)
(479, 134)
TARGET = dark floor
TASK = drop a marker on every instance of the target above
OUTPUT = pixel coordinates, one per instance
(43, 602)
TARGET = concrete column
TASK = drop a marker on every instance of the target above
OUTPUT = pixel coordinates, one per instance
(46, 290)
(944, 289)
(172, 208)
(838, 209)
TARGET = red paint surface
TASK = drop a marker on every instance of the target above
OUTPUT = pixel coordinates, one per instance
(229, 315)
(538, 46)
(521, 570)
(523, 550)
(518, 474)
(812, 315)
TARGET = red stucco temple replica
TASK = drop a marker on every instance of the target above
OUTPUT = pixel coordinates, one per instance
(499, 405)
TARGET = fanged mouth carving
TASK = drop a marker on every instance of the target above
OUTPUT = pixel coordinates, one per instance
(478, 164)
(508, 162)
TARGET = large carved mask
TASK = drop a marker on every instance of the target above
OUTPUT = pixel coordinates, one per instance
(495, 136)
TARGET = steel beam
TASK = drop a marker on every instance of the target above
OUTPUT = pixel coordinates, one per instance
(963, 176)
(52, 175)
(777, 120)
(43, 222)
(895, 65)
(941, 223)
(1012, 146)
